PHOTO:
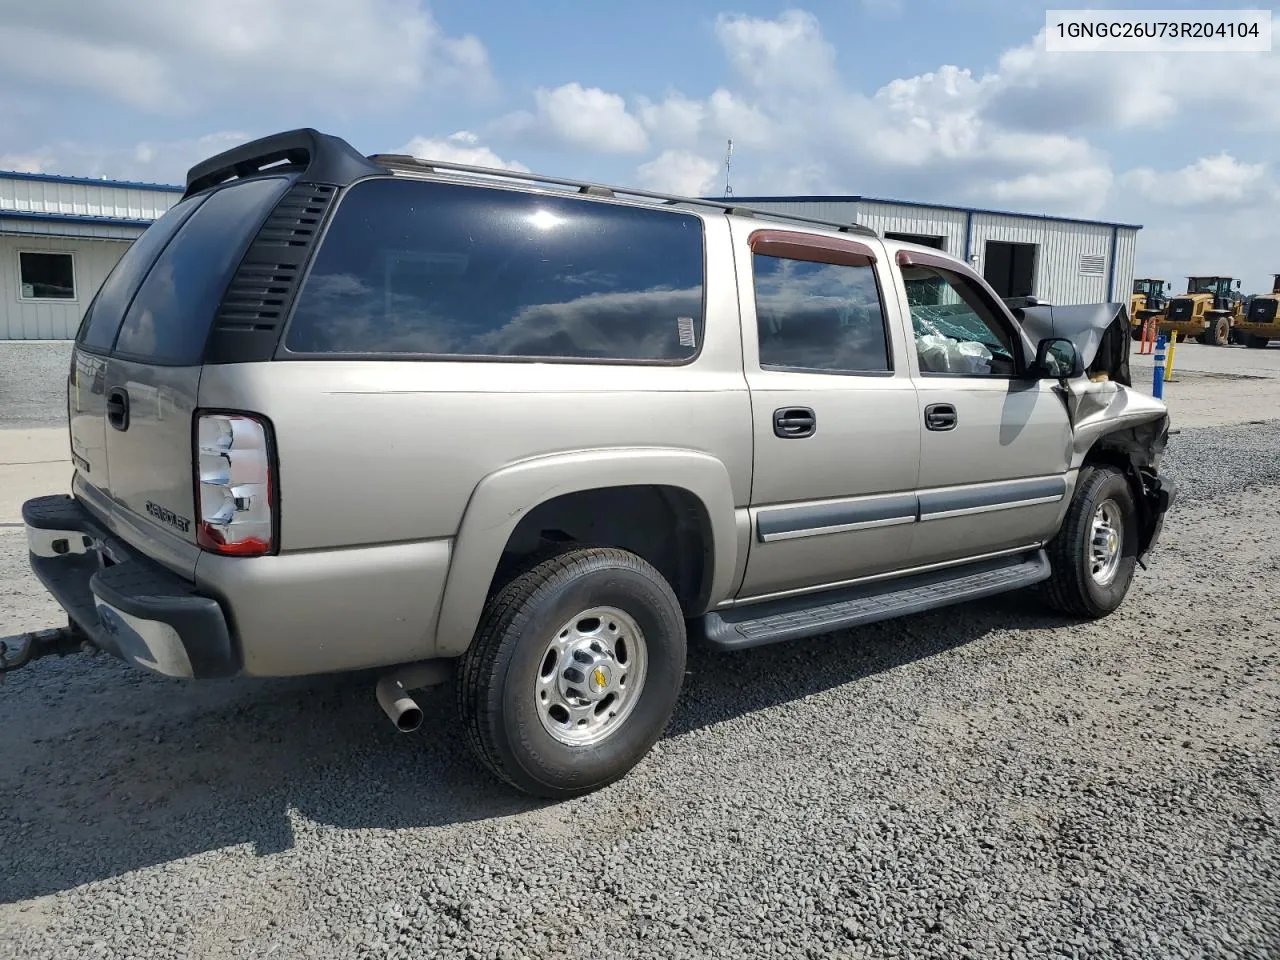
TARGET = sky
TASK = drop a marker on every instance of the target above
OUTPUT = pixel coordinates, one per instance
(949, 101)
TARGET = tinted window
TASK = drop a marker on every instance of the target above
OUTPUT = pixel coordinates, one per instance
(956, 330)
(430, 268)
(819, 316)
(103, 317)
(170, 317)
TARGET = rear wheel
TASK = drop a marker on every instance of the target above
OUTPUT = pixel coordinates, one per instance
(574, 672)
(1257, 343)
(1095, 552)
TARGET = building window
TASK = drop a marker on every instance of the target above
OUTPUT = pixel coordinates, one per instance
(925, 240)
(46, 276)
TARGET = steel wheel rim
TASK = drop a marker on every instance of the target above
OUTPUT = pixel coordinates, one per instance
(590, 676)
(1106, 542)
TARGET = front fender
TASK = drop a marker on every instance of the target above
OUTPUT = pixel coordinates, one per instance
(502, 498)
(1099, 409)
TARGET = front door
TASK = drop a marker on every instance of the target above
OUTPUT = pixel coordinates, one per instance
(836, 424)
(996, 445)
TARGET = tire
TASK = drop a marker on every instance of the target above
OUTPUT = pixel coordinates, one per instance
(1256, 343)
(1073, 588)
(516, 713)
(1218, 334)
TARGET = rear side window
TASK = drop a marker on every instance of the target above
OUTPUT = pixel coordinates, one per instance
(169, 319)
(825, 317)
(420, 268)
(102, 319)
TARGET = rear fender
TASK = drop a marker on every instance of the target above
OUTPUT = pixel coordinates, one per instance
(502, 498)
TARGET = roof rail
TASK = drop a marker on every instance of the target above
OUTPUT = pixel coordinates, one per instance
(326, 159)
(415, 164)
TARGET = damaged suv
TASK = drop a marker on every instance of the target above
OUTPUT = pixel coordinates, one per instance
(530, 436)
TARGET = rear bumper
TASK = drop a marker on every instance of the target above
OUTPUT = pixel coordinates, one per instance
(126, 603)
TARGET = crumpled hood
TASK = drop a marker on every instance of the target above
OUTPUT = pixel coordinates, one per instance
(1100, 332)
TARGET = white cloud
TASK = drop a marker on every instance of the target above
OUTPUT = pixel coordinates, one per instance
(1033, 89)
(1210, 181)
(461, 147)
(681, 172)
(151, 161)
(588, 118)
(788, 53)
(37, 162)
(160, 56)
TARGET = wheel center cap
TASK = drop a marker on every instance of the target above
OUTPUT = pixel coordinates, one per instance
(589, 675)
(600, 679)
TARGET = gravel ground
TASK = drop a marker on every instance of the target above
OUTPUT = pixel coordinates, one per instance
(985, 782)
(33, 376)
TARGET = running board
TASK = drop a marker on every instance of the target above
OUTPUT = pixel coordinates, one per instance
(795, 617)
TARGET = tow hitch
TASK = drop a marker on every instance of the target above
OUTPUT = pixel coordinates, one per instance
(23, 649)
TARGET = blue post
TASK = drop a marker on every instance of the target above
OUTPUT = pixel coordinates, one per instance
(1157, 375)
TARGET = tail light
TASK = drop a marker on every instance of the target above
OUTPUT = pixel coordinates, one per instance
(235, 499)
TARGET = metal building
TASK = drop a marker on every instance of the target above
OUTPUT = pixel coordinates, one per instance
(1058, 259)
(59, 238)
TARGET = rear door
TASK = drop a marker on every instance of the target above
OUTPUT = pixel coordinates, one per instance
(836, 429)
(153, 377)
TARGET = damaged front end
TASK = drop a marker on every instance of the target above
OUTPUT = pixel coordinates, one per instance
(1112, 423)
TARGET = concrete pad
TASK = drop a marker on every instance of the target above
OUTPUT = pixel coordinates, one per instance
(33, 462)
(1216, 386)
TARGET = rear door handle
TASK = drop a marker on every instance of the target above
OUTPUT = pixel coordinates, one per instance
(940, 416)
(118, 408)
(794, 423)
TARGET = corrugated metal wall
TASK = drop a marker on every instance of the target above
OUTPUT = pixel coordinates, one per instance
(839, 211)
(61, 228)
(1061, 275)
(83, 200)
(923, 221)
(52, 319)
(1126, 249)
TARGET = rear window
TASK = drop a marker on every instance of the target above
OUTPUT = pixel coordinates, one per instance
(420, 268)
(169, 319)
(102, 319)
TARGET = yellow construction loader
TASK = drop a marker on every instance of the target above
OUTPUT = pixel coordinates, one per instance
(1260, 325)
(1208, 311)
(1147, 302)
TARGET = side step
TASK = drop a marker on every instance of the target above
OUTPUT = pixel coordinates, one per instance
(795, 617)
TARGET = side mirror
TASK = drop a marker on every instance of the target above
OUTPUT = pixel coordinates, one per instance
(1057, 359)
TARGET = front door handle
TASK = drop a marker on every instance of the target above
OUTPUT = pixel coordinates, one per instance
(118, 408)
(940, 416)
(794, 423)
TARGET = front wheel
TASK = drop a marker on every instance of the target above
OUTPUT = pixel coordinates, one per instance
(1218, 333)
(1095, 552)
(574, 672)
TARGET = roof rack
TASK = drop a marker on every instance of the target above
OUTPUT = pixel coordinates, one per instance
(415, 164)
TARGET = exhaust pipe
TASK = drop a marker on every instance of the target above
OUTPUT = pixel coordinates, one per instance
(392, 691)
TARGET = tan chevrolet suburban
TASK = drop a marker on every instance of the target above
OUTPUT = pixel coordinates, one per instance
(530, 435)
